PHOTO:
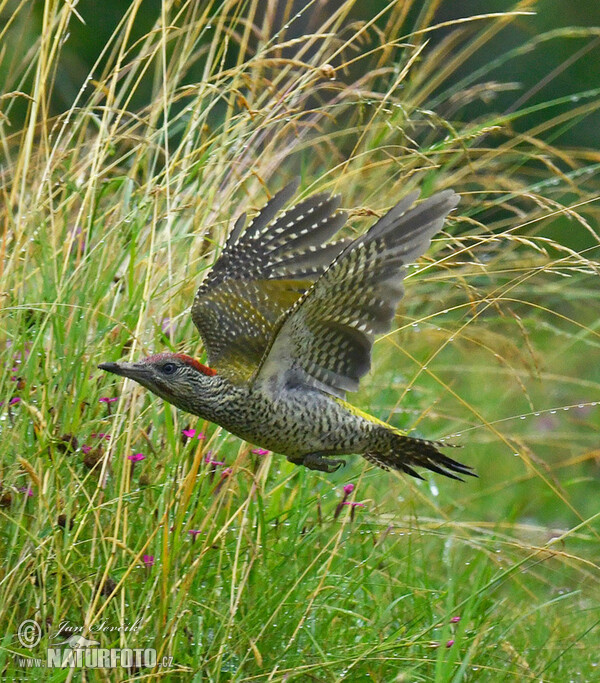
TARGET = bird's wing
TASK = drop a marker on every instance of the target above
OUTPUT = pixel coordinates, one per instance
(325, 339)
(260, 274)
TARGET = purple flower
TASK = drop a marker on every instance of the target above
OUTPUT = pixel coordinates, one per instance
(583, 409)
(454, 620)
(13, 400)
(450, 643)
(191, 433)
(353, 507)
(148, 560)
(100, 435)
(260, 451)
(86, 449)
(26, 490)
(136, 457)
(348, 488)
(208, 459)
(194, 533)
(18, 355)
(167, 326)
(224, 474)
(106, 399)
(547, 423)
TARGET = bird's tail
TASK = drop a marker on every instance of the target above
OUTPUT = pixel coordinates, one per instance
(403, 453)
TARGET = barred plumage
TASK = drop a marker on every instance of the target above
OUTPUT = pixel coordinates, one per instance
(325, 338)
(288, 320)
(260, 275)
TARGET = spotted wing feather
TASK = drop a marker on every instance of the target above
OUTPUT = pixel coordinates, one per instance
(325, 339)
(260, 274)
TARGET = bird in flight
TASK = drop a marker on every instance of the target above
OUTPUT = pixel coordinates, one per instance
(288, 319)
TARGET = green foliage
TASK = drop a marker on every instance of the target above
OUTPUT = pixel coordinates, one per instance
(111, 212)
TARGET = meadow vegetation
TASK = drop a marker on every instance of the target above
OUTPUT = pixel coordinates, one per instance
(116, 507)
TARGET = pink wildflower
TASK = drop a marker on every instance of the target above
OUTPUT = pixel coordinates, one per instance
(27, 491)
(450, 643)
(208, 459)
(136, 457)
(167, 326)
(353, 507)
(454, 620)
(100, 435)
(148, 560)
(260, 451)
(348, 488)
(194, 532)
(191, 433)
(13, 400)
(107, 399)
(224, 474)
(86, 449)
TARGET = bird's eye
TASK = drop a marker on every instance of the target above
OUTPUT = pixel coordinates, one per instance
(169, 368)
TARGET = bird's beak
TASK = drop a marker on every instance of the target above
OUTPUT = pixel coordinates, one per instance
(135, 371)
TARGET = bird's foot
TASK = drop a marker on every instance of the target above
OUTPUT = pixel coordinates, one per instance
(315, 461)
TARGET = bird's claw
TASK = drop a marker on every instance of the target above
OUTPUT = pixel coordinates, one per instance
(314, 461)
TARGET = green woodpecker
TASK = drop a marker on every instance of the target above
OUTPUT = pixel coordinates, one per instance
(288, 320)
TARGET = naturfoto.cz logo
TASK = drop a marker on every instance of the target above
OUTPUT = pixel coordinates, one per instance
(80, 652)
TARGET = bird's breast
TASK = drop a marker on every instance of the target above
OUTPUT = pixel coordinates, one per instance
(293, 422)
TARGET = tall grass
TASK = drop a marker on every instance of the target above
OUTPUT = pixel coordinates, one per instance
(111, 213)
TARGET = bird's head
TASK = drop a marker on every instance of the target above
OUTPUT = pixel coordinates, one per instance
(173, 376)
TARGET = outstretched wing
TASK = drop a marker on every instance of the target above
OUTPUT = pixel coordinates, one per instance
(260, 275)
(325, 339)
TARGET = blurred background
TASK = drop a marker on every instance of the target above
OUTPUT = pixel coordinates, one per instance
(566, 63)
